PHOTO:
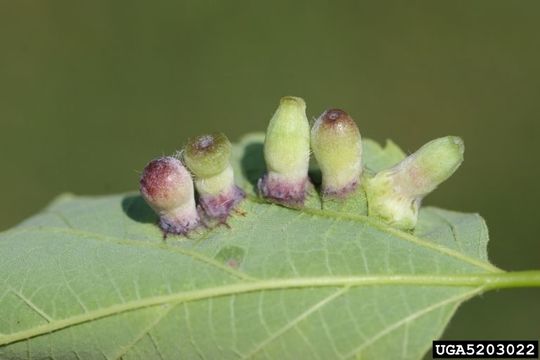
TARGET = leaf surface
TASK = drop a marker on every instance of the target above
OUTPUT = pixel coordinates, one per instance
(91, 277)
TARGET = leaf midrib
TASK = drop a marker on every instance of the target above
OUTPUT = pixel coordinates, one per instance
(486, 280)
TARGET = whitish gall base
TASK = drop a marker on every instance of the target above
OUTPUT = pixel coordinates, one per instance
(342, 193)
(220, 206)
(178, 223)
(276, 189)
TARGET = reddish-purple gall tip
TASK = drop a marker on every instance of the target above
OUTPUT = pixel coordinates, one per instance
(167, 188)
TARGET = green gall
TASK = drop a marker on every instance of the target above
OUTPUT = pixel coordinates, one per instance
(286, 151)
(167, 187)
(208, 158)
(207, 155)
(286, 145)
(395, 194)
(337, 146)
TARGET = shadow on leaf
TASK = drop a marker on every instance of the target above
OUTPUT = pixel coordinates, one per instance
(137, 209)
(253, 165)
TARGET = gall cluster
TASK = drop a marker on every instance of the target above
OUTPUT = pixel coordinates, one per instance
(393, 195)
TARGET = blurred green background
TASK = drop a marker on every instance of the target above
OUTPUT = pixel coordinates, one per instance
(91, 90)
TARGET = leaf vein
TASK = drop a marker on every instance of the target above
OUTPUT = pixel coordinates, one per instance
(141, 243)
(397, 233)
(146, 331)
(296, 321)
(33, 306)
(388, 329)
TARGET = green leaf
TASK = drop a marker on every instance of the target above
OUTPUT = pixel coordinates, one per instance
(91, 277)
